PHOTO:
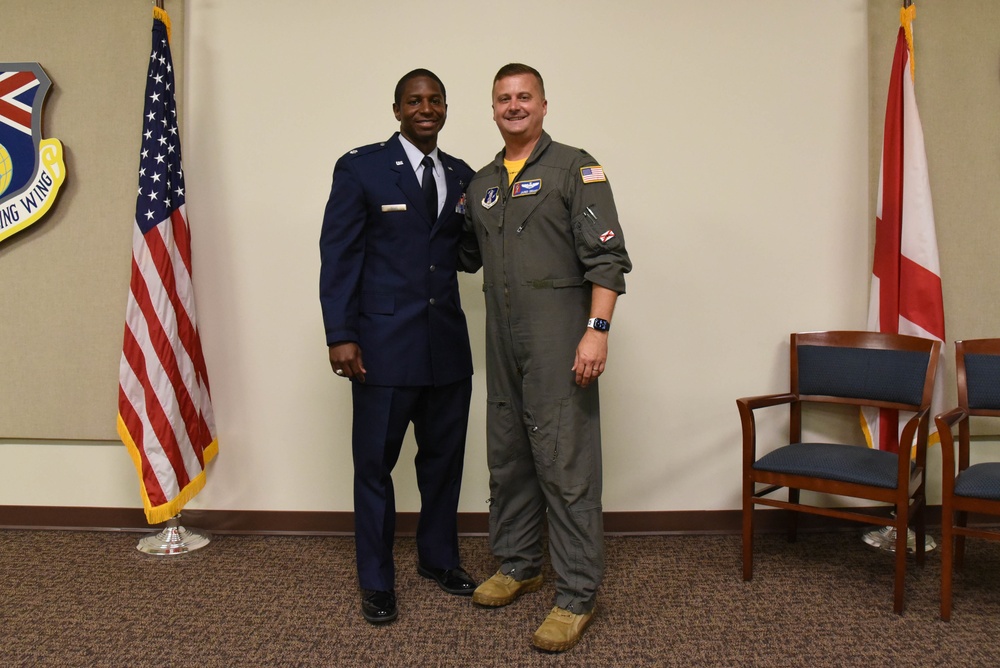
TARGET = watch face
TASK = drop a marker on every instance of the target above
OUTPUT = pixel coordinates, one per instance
(601, 325)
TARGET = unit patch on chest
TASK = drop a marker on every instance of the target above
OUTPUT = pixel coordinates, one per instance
(491, 198)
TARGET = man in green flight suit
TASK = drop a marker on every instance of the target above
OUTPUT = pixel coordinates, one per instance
(553, 256)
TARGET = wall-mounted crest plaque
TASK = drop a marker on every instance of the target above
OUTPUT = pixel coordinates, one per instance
(31, 168)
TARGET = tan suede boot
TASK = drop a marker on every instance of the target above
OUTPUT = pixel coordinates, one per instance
(503, 589)
(561, 630)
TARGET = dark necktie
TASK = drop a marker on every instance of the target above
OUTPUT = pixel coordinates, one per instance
(429, 187)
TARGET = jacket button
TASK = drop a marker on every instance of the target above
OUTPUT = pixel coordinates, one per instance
(432, 301)
(433, 268)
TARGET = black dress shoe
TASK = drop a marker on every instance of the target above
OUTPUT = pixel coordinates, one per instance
(378, 607)
(452, 580)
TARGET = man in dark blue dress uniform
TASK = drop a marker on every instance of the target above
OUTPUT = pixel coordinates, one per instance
(396, 330)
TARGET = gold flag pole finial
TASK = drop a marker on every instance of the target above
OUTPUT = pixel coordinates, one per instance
(906, 15)
(160, 13)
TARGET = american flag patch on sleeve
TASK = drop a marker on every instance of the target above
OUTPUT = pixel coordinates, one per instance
(593, 174)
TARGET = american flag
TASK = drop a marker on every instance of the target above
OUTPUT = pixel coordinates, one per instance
(165, 413)
(592, 174)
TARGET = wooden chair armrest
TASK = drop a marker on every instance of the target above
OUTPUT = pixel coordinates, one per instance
(948, 419)
(945, 423)
(747, 406)
(914, 426)
(765, 400)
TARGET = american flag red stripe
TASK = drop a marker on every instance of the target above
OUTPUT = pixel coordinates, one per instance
(906, 295)
(165, 413)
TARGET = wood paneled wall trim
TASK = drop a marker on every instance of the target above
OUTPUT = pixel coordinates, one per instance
(306, 523)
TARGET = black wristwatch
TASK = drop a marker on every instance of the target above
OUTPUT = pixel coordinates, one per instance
(600, 324)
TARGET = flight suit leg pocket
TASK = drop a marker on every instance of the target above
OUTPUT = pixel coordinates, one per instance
(562, 444)
(501, 433)
(504, 446)
(542, 426)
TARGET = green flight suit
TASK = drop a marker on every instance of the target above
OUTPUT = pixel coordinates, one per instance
(542, 242)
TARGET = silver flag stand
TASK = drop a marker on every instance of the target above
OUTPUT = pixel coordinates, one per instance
(884, 539)
(174, 539)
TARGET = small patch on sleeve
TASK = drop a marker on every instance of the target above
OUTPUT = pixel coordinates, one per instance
(594, 174)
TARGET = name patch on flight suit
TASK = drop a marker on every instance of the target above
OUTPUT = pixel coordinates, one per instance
(524, 188)
(491, 198)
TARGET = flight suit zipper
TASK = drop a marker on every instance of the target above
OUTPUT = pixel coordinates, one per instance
(503, 242)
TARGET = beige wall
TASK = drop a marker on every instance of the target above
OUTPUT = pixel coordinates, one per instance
(736, 136)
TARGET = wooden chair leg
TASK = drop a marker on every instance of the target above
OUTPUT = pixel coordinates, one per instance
(947, 549)
(900, 581)
(748, 531)
(920, 529)
(793, 517)
(961, 520)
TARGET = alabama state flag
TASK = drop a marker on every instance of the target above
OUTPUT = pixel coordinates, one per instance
(906, 275)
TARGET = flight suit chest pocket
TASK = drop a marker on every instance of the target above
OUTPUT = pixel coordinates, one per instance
(536, 211)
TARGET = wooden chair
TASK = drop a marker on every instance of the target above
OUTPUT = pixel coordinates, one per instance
(976, 487)
(889, 371)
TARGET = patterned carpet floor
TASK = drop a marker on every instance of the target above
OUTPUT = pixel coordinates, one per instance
(91, 599)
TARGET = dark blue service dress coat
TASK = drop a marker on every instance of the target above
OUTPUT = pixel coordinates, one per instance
(388, 279)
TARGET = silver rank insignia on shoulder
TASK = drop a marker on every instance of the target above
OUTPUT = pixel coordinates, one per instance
(492, 197)
(353, 151)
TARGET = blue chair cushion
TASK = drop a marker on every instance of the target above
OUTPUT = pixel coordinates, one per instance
(863, 373)
(983, 380)
(979, 481)
(834, 461)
